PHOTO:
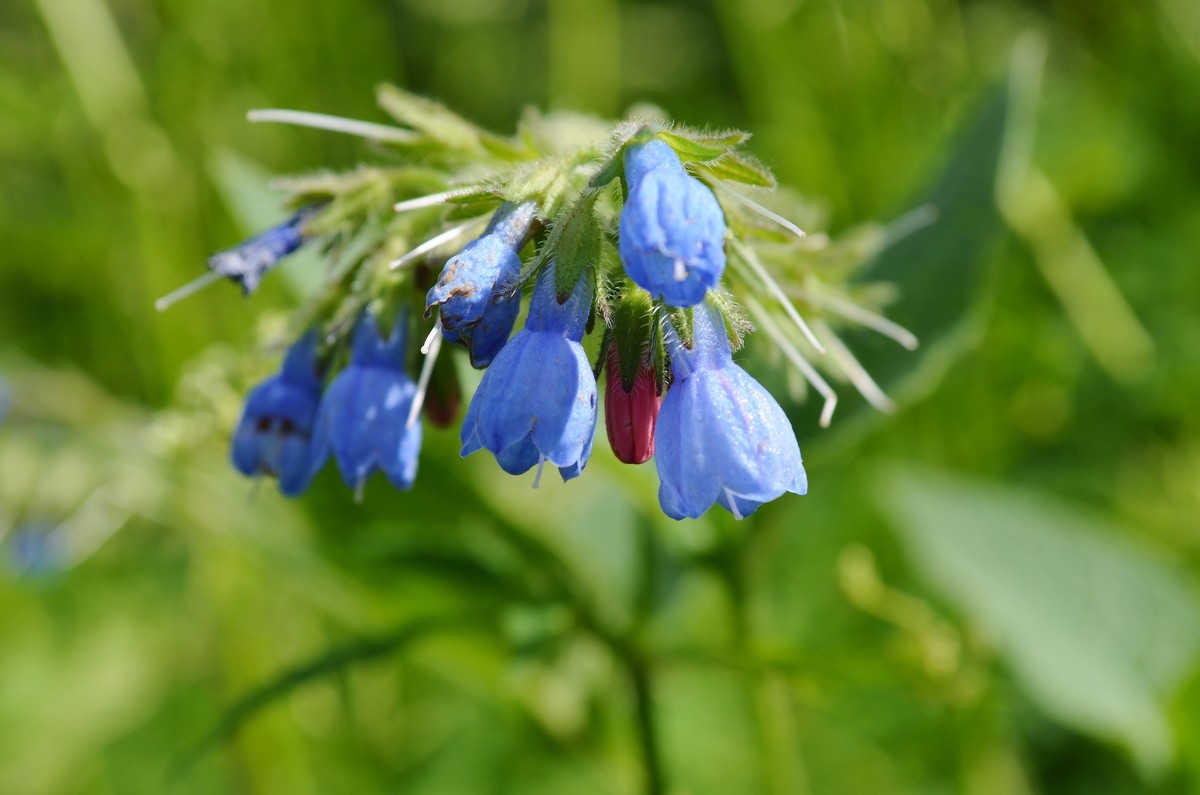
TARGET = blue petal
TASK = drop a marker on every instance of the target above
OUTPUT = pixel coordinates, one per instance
(519, 457)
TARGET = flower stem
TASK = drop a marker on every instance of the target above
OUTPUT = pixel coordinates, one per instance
(639, 675)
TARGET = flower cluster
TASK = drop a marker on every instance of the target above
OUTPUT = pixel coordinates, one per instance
(628, 244)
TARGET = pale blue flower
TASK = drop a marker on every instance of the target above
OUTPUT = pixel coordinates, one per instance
(475, 293)
(720, 438)
(672, 230)
(537, 401)
(249, 261)
(274, 436)
(364, 413)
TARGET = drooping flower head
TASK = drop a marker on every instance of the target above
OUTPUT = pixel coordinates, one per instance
(274, 436)
(721, 438)
(363, 418)
(672, 229)
(477, 308)
(537, 400)
(249, 261)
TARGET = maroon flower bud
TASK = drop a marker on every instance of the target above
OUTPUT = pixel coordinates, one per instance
(630, 415)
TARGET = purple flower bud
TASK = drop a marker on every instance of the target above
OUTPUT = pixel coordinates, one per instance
(721, 438)
(537, 401)
(363, 418)
(672, 231)
(274, 436)
(476, 291)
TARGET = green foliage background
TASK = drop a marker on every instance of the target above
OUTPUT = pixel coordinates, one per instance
(994, 590)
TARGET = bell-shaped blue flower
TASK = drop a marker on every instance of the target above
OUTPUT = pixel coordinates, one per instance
(721, 438)
(274, 436)
(537, 401)
(475, 293)
(363, 417)
(249, 261)
(672, 232)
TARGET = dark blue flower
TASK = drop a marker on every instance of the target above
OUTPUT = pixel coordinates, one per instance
(249, 261)
(537, 402)
(721, 438)
(363, 417)
(475, 291)
(672, 232)
(274, 436)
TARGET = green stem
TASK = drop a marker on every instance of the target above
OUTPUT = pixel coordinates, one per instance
(639, 675)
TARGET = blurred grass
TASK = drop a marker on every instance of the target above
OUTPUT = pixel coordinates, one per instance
(783, 658)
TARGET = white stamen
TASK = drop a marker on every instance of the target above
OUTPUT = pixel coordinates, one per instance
(433, 243)
(433, 334)
(433, 344)
(358, 489)
(421, 202)
(681, 273)
(537, 479)
(797, 359)
(180, 293)
(321, 121)
(857, 374)
(733, 509)
(866, 317)
(764, 212)
(751, 259)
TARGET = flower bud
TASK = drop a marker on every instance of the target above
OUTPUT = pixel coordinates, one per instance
(629, 416)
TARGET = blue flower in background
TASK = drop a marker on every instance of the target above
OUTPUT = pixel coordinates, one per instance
(364, 412)
(721, 438)
(275, 434)
(477, 305)
(672, 231)
(537, 402)
(249, 261)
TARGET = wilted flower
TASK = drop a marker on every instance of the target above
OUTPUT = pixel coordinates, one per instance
(672, 229)
(274, 436)
(475, 305)
(630, 415)
(363, 418)
(249, 261)
(721, 438)
(537, 401)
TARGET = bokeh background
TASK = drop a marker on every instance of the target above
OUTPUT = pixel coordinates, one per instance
(992, 590)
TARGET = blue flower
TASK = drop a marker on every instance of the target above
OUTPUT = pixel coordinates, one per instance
(363, 417)
(248, 262)
(275, 433)
(476, 294)
(537, 402)
(672, 232)
(721, 438)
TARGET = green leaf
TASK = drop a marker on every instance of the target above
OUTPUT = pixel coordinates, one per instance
(432, 118)
(574, 245)
(936, 270)
(691, 150)
(326, 664)
(1100, 631)
(735, 167)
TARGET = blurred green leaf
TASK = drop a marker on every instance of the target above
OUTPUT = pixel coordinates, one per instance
(936, 268)
(328, 663)
(1099, 631)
